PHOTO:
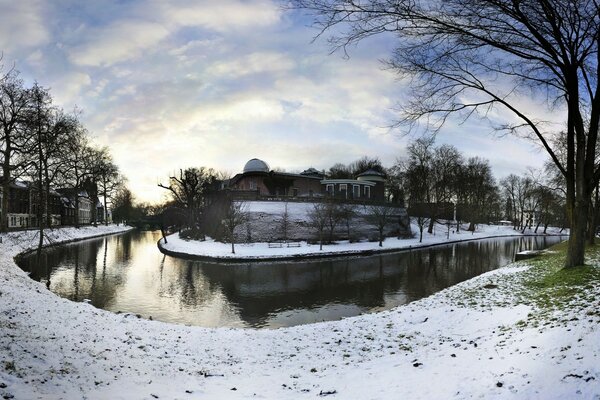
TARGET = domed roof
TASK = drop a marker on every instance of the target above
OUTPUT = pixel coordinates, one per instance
(256, 165)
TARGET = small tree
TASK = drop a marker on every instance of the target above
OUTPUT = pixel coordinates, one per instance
(284, 222)
(318, 219)
(235, 215)
(347, 213)
(379, 216)
(332, 218)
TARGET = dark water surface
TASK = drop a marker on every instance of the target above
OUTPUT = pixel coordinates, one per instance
(127, 273)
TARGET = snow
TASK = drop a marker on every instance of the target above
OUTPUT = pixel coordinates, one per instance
(463, 342)
(262, 250)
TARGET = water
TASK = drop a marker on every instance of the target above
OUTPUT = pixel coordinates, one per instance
(127, 273)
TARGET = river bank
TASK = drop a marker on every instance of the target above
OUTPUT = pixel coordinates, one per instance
(210, 249)
(523, 331)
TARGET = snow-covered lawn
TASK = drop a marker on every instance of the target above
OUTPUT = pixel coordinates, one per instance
(211, 248)
(500, 335)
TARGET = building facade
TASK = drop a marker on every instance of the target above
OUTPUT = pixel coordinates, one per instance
(258, 181)
(24, 202)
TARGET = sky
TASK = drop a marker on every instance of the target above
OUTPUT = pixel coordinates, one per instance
(170, 84)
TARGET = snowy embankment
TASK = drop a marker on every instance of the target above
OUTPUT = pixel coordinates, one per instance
(263, 251)
(484, 338)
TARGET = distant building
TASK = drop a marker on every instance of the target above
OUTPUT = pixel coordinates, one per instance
(85, 215)
(258, 181)
(23, 203)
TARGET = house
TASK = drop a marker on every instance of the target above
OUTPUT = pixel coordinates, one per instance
(257, 180)
(368, 186)
(23, 203)
(69, 201)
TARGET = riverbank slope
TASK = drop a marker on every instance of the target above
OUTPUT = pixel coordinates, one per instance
(525, 331)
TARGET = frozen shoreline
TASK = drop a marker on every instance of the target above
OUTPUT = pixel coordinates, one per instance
(262, 251)
(467, 339)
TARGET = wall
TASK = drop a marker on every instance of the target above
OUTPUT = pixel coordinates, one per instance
(266, 223)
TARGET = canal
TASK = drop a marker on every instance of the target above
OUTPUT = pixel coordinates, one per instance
(127, 273)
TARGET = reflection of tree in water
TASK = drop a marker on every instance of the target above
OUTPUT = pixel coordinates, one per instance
(187, 283)
(258, 290)
(79, 271)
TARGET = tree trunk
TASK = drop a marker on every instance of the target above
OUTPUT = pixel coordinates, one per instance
(576, 247)
(5, 185)
(593, 221)
(537, 226)
(5, 194)
(76, 219)
(431, 222)
(105, 204)
(321, 239)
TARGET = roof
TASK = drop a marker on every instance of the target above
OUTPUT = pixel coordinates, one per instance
(256, 165)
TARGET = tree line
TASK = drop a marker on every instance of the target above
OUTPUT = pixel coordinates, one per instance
(436, 182)
(50, 148)
(487, 58)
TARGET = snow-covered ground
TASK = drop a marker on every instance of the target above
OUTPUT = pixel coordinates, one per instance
(478, 339)
(264, 250)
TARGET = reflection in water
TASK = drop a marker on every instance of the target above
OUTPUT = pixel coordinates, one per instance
(127, 273)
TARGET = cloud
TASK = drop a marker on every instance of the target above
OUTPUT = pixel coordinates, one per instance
(221, 16)
(22, 25)
(148, 24)
(254, 63)
(120, 41)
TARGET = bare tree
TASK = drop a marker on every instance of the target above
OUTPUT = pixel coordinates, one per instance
(188, 190)
(470, 57)
(317, 218)
(380, 217)
(15, 103)
(109, 179)
(235, 215)
(39, 121)
(284, 222)
(333, 216)
(347, 214)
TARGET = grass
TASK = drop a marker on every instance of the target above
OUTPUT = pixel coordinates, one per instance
(555, 294)
(553, 289)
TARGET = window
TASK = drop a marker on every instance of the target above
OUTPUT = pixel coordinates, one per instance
(356, 191)
(367, 192)
(295, 192)
(344, 188)
(329, 188)
(252, 184)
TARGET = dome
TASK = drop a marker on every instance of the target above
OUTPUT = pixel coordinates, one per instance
(256, 165)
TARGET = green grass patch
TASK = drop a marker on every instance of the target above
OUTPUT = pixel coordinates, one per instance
(551, 287)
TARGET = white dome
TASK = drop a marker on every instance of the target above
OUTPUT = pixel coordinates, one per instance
(256, 165)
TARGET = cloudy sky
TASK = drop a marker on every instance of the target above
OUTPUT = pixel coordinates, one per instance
(173, 84)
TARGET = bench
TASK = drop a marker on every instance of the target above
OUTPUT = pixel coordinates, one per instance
(275, 245)
(293, 244)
